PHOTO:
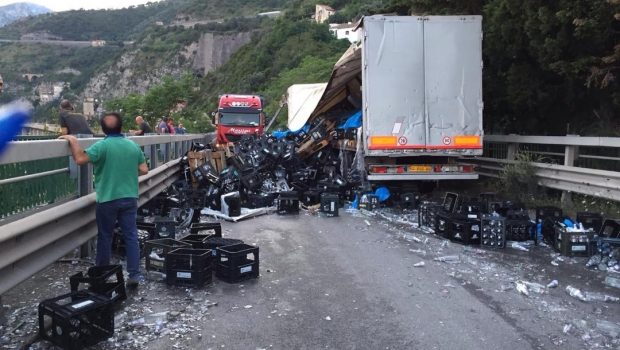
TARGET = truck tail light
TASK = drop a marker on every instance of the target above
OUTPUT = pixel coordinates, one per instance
(378, 170)
(468, 168)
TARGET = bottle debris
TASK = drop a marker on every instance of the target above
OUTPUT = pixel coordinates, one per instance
(553, 284)
(575, 293)
(420, 264)
(451, 259)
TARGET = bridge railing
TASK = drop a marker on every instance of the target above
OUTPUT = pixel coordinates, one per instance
(34, 174)
(29, 244)
(573, 164)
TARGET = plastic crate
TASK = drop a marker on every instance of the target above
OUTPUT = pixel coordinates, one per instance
(590, 220)
(197, 241)
(231, 204)
(311, 198)
(409, 200)
(329, 204)
(427, 213)
(161, 248)
(237, 262)
(443, 224)
(465, 230)
(213, 229)
(118, 241)
(520, 229)
(189, 267)
(552, 213)
(260, 200)
(165, 227)
(610, 229)
(369, 201)
(576, 243)
(288, 203)
(107, 281)
(76, 320)
(493, 231)
(216, 242)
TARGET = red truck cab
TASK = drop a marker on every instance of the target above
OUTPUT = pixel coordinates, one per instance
(237, 116)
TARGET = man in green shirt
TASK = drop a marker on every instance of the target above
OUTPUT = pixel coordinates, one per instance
(117, 163)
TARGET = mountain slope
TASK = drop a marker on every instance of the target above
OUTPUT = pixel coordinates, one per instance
(13, 12)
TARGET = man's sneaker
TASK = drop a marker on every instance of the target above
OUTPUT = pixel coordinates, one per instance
(134, 282)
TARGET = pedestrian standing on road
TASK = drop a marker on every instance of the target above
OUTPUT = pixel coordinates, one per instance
(171, 126)
(117, 163)
(72, 123)
(143, 127)
(181, 130)
(162, 126)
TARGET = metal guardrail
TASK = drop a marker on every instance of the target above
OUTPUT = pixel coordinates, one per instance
(30, 244)
(567, 177)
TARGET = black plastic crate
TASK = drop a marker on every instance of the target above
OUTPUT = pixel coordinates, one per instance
(465, 230)
(521, 230)
(233, 202)
(216, 242)
(610, 229)
(493, 231)
(197, 241)
(575, 243)
(427, 213)
(76, 320)
(106, 280)
(409, 200)
(311, 198)
(288, 203)
(237, 262)
(213, 229)
(369, 201)
(329, 204)
(260, 200)
(189, 267)
(118, 241)
(205, 174)
(552, 213)
(159, 248)
(443, 224)
(165, 227)
(590, 220)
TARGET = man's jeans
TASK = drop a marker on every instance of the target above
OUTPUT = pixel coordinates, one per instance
(124, 211)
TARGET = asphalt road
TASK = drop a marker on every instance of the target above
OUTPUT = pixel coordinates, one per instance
(338, 283)
(350, 283)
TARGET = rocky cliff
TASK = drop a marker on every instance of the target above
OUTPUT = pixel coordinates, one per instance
(127, 75)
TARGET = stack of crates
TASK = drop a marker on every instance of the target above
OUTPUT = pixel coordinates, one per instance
(237, 262)
(155, 252)
(519, 227)
(189, 267)
(547, 217)
(369, 201)
(288, 203)
(464, 229)
(329, 204)
(107, 281)
(76, 320)
(493, 231)
(310, 198)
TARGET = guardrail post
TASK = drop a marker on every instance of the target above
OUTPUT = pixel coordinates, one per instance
(178, 149)
(153, 157)
(167, 152)
(511, 154)
(571, 153)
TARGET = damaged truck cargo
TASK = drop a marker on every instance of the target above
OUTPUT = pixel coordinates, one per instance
(415, 86)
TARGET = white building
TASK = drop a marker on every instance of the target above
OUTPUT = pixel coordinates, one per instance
(346, 31)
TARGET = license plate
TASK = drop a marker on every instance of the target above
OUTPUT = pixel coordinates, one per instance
(420, 168)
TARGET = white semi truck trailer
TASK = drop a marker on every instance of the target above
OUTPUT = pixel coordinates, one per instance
(418, 83)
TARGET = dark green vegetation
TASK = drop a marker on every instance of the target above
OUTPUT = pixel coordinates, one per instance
(51, 60)
(111, 25)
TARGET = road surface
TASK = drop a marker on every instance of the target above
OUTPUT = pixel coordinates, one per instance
(350, 283)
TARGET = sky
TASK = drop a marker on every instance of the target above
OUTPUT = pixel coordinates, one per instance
(64, 5)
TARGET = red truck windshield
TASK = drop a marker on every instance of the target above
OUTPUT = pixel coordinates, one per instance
(229, 118)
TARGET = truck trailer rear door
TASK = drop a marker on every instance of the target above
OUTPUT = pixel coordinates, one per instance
(393, 88)
(453, 83)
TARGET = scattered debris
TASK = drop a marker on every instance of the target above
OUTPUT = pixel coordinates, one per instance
(553, 284)
(451, 259)
(420, 264)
